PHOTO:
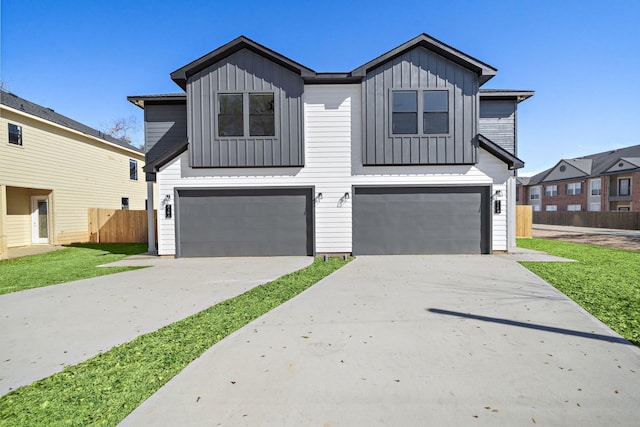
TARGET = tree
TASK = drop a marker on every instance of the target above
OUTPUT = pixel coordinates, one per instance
(122, 128)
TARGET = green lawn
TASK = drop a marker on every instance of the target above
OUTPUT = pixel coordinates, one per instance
(75, 262)
(605, 281)
(105, 389)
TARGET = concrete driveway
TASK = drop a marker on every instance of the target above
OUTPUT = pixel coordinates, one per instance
(43, 330)
(412, 341)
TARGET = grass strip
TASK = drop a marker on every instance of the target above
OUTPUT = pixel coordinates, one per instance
(75, 262)
(604, 281)
(106, 388)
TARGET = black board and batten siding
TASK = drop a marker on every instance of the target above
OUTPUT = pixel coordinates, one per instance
(165, 127)
(420, 69)
(498, 122)
(245, 71)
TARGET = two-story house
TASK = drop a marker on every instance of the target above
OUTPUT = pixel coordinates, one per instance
(607, 181)
(53, 169)
(260, 155)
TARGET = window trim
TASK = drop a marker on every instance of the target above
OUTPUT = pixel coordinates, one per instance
(18, 143)
(420, 111)
(626, 178)
(215, 106)
(135, 170)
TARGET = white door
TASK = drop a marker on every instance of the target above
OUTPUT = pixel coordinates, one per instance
(40, 219)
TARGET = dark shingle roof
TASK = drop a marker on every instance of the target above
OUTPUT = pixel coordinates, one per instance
(598, 162)
(28, 107)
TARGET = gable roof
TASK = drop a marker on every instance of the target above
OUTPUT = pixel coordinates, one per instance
(181, 75)
(512, 161)
(13, 101)
(595, 164)
(484, 71)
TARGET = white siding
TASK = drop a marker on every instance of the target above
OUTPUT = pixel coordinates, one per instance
(333, 146)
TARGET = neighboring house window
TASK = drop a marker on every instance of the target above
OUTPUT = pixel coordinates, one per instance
(551, 190)
(534, 193)
(125, 203)
(624, 187)
(407, 106)
(624, 208)
(133, 169)
(574, 188)
(536, 208)
(594, 207)
(15, 134)
(595, 188)
(246, 114)
(574, 208)
(551, 208)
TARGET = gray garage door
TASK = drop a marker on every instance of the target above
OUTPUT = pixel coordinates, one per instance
(425, 220)
(244, 222)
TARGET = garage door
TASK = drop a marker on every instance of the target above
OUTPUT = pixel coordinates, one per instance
(425, 220)
(244, 222)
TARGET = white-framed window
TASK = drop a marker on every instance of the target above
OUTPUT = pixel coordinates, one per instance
(15, 134)
(246, 114)
(536, 208)
(534, 193)
(574, 208)
(420, 112)
(624, 186)
(133, 169)
(550, 190)
(574, 188)
(594, 207)
(125, 203)
(551, 208)
(595, 187)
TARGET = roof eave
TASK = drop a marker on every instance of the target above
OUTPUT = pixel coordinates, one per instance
(517, 95)
(512, 161)
(181, 75)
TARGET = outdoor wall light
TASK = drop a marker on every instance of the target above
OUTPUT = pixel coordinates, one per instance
(498, 193)
(317, 198)
(167, 198)
(346, 196)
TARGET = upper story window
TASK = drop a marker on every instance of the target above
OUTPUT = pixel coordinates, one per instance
(246, 114)
(133, 169)
(595, 187)
(15, 134)
(408, 105)
(624, 186)
(551, 190)
(574, 188)
(534, 193)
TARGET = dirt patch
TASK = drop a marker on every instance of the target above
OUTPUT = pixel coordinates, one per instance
(611, 241)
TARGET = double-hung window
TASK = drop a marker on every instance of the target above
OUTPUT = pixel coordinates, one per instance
(419, 112)
(551, 190)
(15, 134)
(133, 169)
(595, 188)
(246, 114)
(574, 188)
(624, 186)
(534, 193)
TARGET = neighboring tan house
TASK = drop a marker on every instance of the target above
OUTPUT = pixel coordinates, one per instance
(405, 154)
(607, 181)
(52, 169)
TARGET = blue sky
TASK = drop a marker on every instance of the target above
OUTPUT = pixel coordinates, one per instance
(82, 58)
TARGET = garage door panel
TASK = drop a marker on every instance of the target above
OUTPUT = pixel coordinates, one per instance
(268, 222)
(419, 220)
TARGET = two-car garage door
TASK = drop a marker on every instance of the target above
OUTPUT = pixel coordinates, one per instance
(421, 220)
(244, 222)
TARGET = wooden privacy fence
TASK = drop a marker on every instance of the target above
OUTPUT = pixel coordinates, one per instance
(620, 220)
(524, 221)
(117, 226)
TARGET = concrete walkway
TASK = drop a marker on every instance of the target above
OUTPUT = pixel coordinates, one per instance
(412, 341)
(43, 330)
